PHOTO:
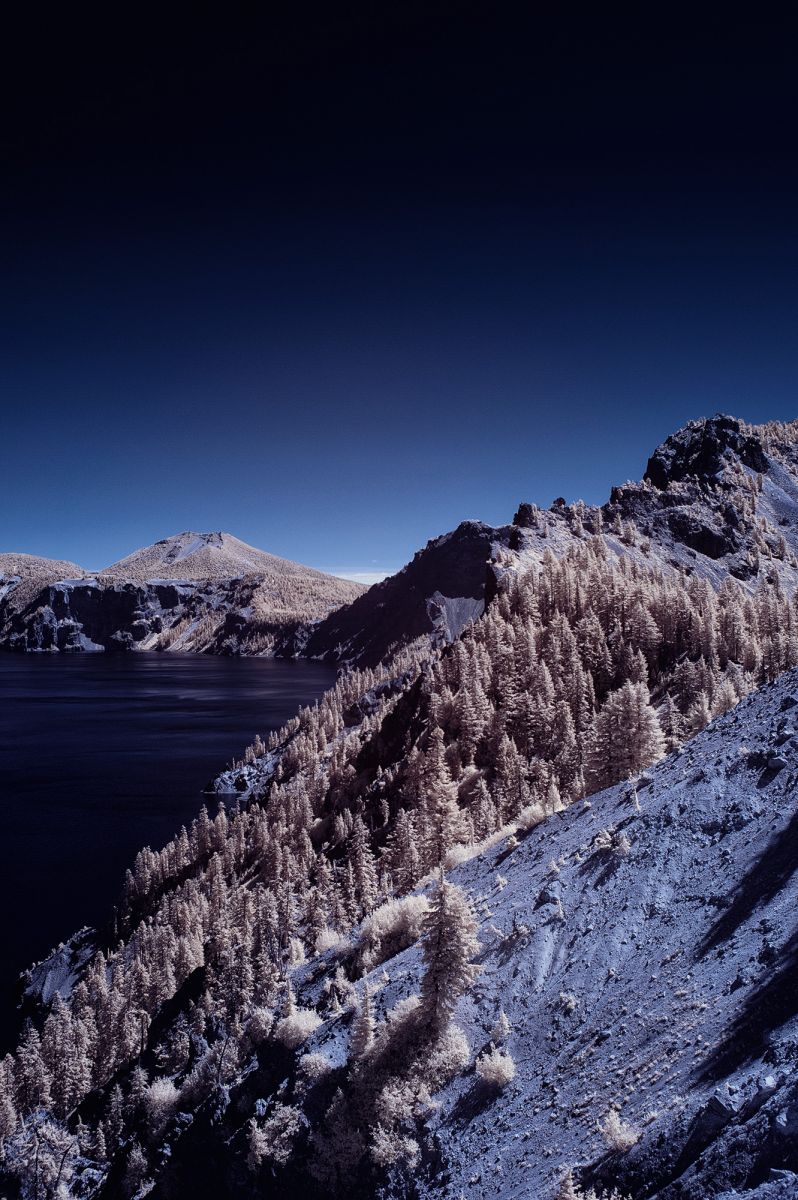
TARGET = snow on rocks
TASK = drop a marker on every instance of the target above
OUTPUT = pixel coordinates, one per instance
(61, 970)
(674, 960)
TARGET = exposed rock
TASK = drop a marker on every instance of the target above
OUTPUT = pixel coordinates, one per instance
(700, 536)
(445, 585)
(719, 499)
(211, 600)
(700, 449)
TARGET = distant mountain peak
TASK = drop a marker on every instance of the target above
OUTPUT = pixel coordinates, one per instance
(208, 539)
(192, 555)
(190, 591)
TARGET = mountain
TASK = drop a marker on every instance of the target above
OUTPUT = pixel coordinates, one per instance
(206, 556)
(719, 498)
(435, 596)
(642, 947)
(27, 574)
(580, 752)
(208, 592)
(636, 954)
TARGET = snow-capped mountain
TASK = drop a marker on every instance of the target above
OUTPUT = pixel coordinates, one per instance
(204, 592)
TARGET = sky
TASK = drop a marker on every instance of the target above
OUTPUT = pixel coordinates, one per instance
(336, 280)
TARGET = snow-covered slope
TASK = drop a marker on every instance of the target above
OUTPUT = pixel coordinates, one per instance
(23, 575)
(202, 592)
(207, 556)
(643, 947)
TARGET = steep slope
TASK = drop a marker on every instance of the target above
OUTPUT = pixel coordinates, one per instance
(652, 971)
(201, 592)
(599, 646)
(444, 587)
(643, 949)
(725, 494)
(23, 575)
(719, 498)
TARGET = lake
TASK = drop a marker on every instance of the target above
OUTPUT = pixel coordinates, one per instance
(103, 754)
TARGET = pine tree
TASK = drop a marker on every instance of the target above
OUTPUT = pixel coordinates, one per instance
(402, 857)
(625, 739)
(31, 1075)
(501, 1030)
(567, 1189)
(442, 820)
(672, 724)
(449, 945)
(363, 1028)
(363, 868)
(699, 714)
(8, 1112)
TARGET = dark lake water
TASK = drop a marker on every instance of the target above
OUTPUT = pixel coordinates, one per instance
(102, 754)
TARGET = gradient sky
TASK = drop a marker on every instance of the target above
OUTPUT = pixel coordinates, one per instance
(334, 285)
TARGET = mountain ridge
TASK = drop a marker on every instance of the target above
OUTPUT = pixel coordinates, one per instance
(711, 512)
(718, 498)
(190, 592)
(265, 1007)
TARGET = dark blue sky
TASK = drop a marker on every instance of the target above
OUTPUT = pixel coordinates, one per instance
(335, 285)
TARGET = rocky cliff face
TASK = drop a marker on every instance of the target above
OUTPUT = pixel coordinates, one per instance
(719, 492)
(194, 592)
(718, 498)
(703, 449)
(96, 615)
(444, 587)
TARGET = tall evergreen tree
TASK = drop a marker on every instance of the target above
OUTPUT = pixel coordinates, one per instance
(625, 739)
(449, 945)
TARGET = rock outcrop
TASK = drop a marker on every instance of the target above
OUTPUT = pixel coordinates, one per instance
(445, 586)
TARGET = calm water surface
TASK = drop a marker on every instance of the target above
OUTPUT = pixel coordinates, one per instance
(102, 754)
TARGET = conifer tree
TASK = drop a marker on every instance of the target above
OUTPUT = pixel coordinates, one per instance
(363, 868)
(442, 822)
(31, 1075)
(363, 1028)
(8, 1112)
(449, 945)
(625, 739)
